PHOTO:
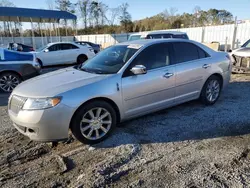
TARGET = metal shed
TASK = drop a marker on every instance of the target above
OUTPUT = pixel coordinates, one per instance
(14, 14)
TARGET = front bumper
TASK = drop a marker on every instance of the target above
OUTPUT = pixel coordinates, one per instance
(43, 125)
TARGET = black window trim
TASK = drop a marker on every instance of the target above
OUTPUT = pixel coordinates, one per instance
(174, 56)
(171, 51)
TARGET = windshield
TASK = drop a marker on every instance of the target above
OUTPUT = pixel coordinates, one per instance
(246, 44)
(134, 37)
(42, 48)
(110, 60)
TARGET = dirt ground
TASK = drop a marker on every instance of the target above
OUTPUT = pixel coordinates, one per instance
(190, 145)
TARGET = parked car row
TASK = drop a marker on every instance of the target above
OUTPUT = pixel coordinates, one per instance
(16, 65)
(123, 81)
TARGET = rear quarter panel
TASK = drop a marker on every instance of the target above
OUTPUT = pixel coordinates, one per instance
(221, 65)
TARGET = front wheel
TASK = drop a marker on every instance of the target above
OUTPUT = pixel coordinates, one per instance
(211, 90)
(93, 122)
(8, 81)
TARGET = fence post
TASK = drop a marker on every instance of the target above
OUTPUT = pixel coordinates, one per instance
(234, 35)
(202, 34)
(225, 48)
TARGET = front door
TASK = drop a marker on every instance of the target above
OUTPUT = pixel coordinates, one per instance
(54, 56)
(155, 89)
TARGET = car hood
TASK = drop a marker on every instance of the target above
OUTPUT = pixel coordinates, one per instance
(243, 52)
(57, 82)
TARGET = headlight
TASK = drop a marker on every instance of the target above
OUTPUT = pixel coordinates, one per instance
(39, 104)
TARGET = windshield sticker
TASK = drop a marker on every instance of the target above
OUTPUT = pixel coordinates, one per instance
(135, 46)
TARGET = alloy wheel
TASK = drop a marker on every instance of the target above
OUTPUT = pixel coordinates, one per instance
(213, 90)
(96, 123)
(8, 82)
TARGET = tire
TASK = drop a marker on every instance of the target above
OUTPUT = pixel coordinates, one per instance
(81, 59)
(211, 90)
(8, 81)
(82, 123)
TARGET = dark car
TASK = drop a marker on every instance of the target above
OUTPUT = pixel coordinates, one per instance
(25, 48)
(96, 47)
(16, 67)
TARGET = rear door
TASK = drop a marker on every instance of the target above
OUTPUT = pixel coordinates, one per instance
(191, 66)
(153, 90)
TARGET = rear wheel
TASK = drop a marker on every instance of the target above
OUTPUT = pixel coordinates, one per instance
(93, 122)
(8, 81)
(81, 59)
(211, 90)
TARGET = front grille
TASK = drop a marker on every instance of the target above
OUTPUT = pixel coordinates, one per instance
(241, 61)
(16, 103)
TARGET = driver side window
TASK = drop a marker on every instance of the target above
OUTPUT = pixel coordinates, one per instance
(53, 48)
(153, 57)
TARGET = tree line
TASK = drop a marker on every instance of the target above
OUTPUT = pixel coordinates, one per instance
(96, 17)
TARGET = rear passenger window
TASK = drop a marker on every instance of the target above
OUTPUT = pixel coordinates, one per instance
(187, 52)
(202, 54)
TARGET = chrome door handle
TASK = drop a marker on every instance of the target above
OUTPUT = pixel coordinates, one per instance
(205, 66)
(168, 75)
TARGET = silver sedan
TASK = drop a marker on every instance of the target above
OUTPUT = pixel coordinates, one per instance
(124, 81)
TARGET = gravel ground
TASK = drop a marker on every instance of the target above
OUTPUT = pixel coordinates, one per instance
(190, 145)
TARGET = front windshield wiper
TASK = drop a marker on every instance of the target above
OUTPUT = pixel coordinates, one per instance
(86, 70)
(95, 71)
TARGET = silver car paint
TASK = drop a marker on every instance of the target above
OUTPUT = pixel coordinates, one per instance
(133, 96)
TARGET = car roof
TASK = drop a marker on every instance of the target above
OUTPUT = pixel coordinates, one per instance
(168, 32)
(148, 42)
(49, 44)
(145, 42)
(159, 32)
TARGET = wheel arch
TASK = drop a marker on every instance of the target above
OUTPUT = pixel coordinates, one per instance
(109, 101)
(83, 55)
(219, 76)
(12, 71)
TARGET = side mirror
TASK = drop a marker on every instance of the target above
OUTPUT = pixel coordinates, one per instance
(139, 69)
(46, 50)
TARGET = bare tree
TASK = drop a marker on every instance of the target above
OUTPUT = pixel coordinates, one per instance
(125, 18)
(114, 14)
(170, 14)
(84, 8)
(6, 24)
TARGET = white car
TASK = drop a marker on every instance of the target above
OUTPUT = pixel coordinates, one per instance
(63, 53)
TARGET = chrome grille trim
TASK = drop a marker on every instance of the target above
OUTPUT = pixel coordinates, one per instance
(16, 103)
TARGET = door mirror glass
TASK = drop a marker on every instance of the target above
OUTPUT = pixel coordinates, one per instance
(46, 50)
(138, 69)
